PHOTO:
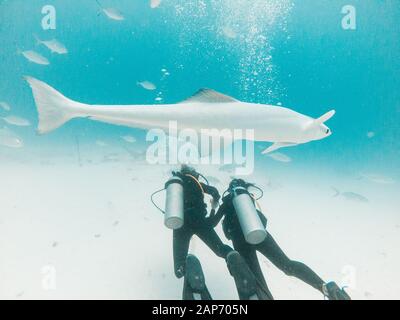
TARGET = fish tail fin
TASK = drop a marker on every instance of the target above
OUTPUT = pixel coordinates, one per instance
(53, 108)
(37, 39)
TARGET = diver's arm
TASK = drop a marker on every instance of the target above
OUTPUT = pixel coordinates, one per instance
(212, 191)
(215, 218)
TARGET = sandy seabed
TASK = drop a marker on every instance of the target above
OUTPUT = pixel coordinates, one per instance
(89, 231)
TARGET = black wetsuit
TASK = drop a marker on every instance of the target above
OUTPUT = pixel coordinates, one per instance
(196, 223)
(269, 248)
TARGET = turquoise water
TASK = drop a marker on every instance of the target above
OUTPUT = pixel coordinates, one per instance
(293, 53)
(76, 200)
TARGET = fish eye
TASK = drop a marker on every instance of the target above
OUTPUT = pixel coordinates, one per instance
(327, 131)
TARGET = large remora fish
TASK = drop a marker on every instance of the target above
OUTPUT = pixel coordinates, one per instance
(207, 109)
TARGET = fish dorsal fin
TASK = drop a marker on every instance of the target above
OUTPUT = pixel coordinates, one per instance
(325, 117)
(209, 96)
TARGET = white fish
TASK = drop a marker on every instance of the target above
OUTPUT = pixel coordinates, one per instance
(101, 143)
(10, 139)
(154, 3)
(147, 85)
(282, 126)
(158, 99)
(378, 178)
(113, 14)
(53, 45)
(280, 157)
(213, 180)
(5, 106)
(230, 167)
(17, 121)
(34, 57)
(370, 134)
(351, 196)
(229, 32)
(129, 139)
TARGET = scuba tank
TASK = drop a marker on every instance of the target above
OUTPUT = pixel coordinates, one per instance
(173, 217)
(250, 223)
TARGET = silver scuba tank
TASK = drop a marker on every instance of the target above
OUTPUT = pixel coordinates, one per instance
(173, 217)
(252, 227)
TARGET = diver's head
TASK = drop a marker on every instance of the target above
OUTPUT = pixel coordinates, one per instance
(185, 169)
(236, 183)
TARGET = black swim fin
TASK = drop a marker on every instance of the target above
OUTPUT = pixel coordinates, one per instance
(333, 292)
(246, 283)
(194, 287)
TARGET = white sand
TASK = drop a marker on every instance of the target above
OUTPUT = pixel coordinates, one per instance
(95, 228)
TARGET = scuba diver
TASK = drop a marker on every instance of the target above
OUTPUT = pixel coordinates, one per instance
(186, 214)
(245, 226)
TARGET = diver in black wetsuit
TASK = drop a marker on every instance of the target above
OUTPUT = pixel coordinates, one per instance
(269, 248)
(197, 223)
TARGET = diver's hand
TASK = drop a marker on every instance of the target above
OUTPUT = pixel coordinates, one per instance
(214, 204)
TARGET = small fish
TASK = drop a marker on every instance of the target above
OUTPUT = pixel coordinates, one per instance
(351, 196)
(277, 156)
(113, 14)
(213, 180)
(34, 57)
(147, 85)
(377, 178)
(154, 3)
(229, 167)
(5, 106)
(53, 45)
(158, 99)
(370, 134)
(10, 139)
(101, 143)
(229, 32)
(129, 139)
(17, 121)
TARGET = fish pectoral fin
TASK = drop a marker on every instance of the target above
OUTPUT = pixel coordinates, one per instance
(209, 96)
(278, 145)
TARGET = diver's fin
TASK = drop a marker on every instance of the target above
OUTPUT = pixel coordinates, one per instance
(333, 292)
(246, 282)
(54, 109)
(325, 117)
(209, 96)
(278, 145)
(194, 287)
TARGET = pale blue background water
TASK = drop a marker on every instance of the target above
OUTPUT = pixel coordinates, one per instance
(314, 66)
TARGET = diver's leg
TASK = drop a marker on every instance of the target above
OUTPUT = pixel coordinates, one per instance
(270, 249)
(208, 235)
(181, 240)
(246, 283)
